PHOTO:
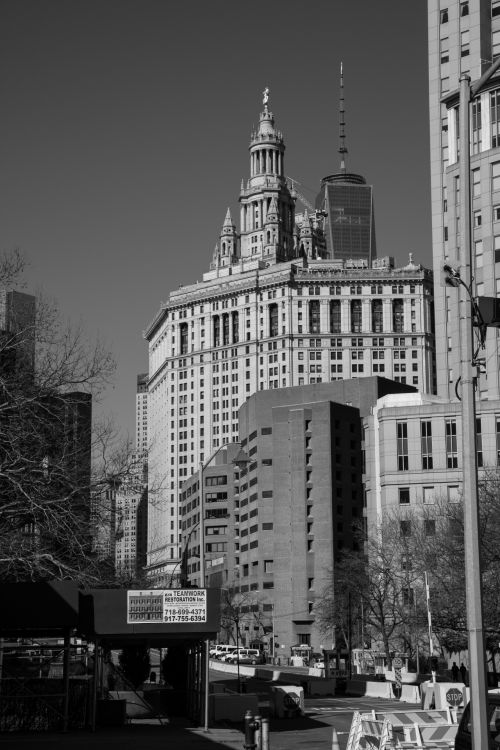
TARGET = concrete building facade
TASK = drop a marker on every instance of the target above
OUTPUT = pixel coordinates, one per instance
(283, 521)
(464, 38)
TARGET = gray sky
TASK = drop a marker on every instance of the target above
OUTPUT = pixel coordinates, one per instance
(125, 129)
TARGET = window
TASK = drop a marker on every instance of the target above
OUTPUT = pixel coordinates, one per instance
(356, 316)
(408, 597)
(478, 219)
(235, 320)
(404, 495)
(495, 44)
(464, 9)
(426, 444)
(273, 320)
(402, 445)
(445, 50)
(445, 85)
(184, 337)
(405, 528)
(476, 183)
(377, 316)
(451, 444)
(214, 481)
(216, 329)
(443, 15)
(453, 493)
(429, 527)
(498, 440)
(495, 118)
(314, 316)
(335, 316)
(428, 495)
(496, 247)
(495, 8)
(478, 253)
(464, 43)
(495, 176)
(397, 316)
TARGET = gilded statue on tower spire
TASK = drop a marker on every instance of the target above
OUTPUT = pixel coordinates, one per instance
(265, 97)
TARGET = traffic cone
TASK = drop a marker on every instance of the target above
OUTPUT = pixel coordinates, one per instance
(335, 740)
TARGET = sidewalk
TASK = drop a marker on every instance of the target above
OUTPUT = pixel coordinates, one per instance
(130, 737)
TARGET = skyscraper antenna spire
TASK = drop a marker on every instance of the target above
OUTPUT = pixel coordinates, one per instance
(342, 146)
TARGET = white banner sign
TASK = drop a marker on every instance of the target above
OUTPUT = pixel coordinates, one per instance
(167, 605)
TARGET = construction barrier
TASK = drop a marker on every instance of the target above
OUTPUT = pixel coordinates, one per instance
(410, 694)
(366, 732)
(379, 690)
(451, 694)
(355, 687)
(425, 735)
(419, 729)
(288, 700)
(403, 718)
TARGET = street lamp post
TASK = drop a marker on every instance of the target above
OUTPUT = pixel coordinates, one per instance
(473, 582)
(240, 460)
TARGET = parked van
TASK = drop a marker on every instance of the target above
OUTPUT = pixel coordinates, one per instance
(463, 739)
(222, 649)
(245, 656)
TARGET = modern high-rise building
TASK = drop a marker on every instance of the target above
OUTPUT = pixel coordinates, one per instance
(346, 203)
(271, 312)
(464, 38)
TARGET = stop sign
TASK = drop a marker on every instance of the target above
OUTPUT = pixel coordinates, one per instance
(454, 697)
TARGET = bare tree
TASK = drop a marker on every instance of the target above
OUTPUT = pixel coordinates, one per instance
(49, 376)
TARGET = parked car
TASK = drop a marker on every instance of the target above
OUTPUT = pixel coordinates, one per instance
(228, 651)
(245, 656)
(216, 650)
(463, 739)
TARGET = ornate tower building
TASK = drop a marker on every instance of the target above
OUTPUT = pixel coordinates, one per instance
(272, 312)
(267, 206)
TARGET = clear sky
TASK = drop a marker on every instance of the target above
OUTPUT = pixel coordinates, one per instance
(125, 128)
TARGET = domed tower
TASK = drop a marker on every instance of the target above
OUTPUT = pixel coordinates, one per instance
(228, 241)
(265, 189)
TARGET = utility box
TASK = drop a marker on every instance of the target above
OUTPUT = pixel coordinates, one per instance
(288, 701)
(489, 307)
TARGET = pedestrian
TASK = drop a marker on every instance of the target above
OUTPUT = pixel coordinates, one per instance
(463, 672)
(455, 671)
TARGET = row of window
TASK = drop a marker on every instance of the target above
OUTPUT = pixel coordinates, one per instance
(451, 448)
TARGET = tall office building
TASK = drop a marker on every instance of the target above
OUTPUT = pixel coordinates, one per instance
(346, 202)
(464, 37)
(271, 312)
